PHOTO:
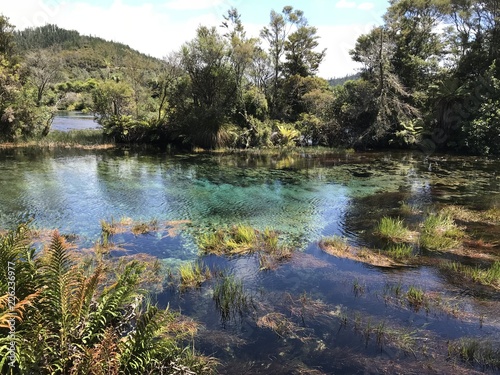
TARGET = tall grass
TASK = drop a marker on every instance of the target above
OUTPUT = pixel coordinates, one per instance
(400, 251)
(476, 351)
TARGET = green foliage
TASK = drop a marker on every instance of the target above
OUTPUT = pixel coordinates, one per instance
(483, 275)
(287, 135)
(476, 351)
(428, 80)
(400, 251)
(440, 233)
(76, 317)
(230, 298)
(416, 297)
(393, 229)
(21, 116)
(193, 274)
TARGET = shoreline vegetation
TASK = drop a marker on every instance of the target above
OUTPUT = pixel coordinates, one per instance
(226, 89)
(87, 139)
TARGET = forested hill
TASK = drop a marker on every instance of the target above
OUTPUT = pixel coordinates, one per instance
(341, 80)
(79, 51)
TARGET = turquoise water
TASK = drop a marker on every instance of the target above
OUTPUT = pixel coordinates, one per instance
(302, 196)
(74, 191)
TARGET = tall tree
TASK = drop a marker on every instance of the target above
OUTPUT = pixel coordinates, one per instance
(43, 69)
(212, 85)
(276, 34)
(376, 51)
(301, 57)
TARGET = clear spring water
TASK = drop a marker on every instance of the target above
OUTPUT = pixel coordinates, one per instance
(304, 197)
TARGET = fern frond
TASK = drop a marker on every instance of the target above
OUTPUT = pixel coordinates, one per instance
(84, 294)
(18, 310)
(138, 348)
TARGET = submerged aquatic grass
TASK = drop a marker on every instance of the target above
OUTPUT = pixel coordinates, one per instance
(230, 297)
(439, 232)
(335, 244)
(477, 352)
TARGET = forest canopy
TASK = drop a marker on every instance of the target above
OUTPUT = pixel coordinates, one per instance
(428, 80)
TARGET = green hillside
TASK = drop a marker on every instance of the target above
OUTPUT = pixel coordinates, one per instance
(79, 62)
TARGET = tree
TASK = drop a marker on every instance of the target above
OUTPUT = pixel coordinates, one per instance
(6, 37)
(112, 99)
(301, 58)
(376, 50)
(241, 53)
(20, 116)
(43, 68)
(276, 34)
(212, 86)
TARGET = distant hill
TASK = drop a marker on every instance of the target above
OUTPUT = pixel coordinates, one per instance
(81, 55)
(68, 65)
(342, 80)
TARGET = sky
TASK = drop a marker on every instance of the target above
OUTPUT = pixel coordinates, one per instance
(158, 27)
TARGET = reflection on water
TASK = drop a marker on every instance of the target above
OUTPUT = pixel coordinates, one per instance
(329, 328)
(66, 120)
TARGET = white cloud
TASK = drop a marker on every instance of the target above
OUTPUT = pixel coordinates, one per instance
(156, 31)
(345, 4)
(339, 40)
(192, 4)
(366, 6)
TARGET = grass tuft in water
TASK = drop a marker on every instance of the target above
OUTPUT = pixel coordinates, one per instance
(230, 297)
(440, 233)
(400, 251)
(242, 239)
(335, 244)
(144, 227)
(489, 276)
(193, 274)
(493, 214)
(416, 297)
(394, 230)
(476, 352)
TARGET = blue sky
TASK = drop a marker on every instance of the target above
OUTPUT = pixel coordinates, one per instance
(158, 27)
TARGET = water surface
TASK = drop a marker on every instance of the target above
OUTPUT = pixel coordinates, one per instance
(304, 197)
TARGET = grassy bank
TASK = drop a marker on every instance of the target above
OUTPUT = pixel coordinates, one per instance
(84, 139)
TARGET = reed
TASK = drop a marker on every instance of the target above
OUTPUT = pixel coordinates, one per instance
(400, 251)
(477, 352)
(489, 276)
